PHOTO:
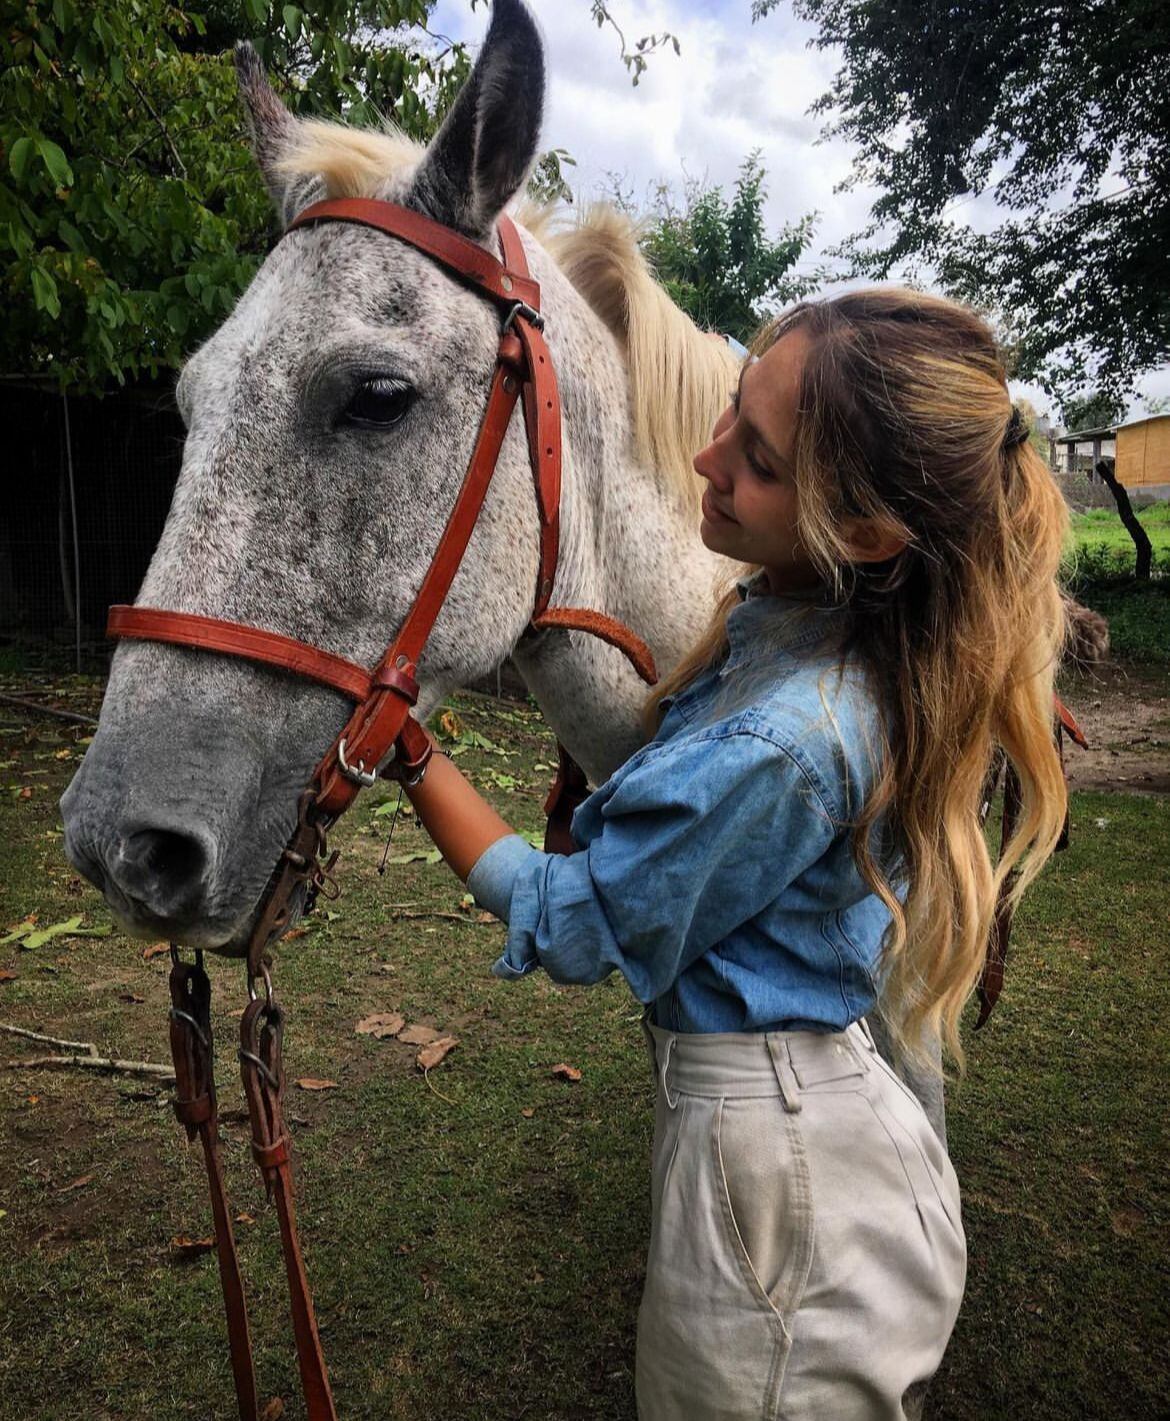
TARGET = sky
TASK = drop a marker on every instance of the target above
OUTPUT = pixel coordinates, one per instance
(734, 87)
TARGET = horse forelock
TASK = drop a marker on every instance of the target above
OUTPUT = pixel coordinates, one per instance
(678, 377)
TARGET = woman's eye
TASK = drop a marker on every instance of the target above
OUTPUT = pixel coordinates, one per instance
(378, 403)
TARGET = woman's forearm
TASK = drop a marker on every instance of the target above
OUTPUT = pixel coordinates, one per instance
(457, 817)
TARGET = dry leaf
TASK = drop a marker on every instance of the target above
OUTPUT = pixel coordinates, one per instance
(528, 1113)
(566, 1073)
(156, 949)
(273, 1409)
(129, 997)
(34, 1100)
(437, 1051)
(486, 918)
(308, 1083)
(245, 1218)
(192, 1247)
(291, 937)
(25, 793)
(79, 1183)
(237, 1012)
(419, 1035)
(381, 1024)
(6, 976)
(450, 724)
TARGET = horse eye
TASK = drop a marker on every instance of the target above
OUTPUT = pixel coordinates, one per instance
(378, 403)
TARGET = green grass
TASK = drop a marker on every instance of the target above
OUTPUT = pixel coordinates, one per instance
(1098, 571)
(473, 1261)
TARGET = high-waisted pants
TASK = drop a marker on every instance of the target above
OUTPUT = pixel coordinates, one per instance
(807, 1257)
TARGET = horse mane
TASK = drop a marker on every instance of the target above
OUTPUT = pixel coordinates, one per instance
(678, 375)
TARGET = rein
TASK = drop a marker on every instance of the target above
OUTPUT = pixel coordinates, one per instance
(380, 722)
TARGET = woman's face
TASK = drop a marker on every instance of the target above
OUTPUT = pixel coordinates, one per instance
(749, 504)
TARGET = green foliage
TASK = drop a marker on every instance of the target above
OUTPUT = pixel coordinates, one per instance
(131, 216)
(718, 262)
(944, 102)
(1099, 572)
(1096, 411)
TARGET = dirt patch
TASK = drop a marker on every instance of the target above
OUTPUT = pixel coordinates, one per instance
(1124, 712)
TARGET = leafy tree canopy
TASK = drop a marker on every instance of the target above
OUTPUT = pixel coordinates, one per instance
(131, 215)
(715, 256)
(1059, 109)
(1095, 411)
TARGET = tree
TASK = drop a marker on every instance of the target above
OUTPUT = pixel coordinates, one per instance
(130, 210)
(1096, 411)
(716, 259)
(1061, 113)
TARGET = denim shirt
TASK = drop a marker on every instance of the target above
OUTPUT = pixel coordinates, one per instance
(716, 871)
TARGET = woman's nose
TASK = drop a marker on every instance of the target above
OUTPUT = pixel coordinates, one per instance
(710, 463)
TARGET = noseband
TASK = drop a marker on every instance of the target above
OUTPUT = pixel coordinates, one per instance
(380, 722)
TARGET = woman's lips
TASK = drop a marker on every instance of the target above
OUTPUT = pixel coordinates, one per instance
(711, 512)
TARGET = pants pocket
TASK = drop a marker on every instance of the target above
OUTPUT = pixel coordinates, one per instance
(763, 1185)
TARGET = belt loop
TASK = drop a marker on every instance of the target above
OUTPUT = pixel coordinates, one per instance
(671, 1101)
(785, 1076)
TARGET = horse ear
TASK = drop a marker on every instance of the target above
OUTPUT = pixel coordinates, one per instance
(273, 130)
(483, 150)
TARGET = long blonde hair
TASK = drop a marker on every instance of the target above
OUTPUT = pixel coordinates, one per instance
(902, 420)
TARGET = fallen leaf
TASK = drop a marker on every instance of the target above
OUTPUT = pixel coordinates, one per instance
(451, 725)
(381, 1024)
(156, 949)
(129, 997)
(34, 1100)
(419, 1035)
(437, 1051)
(290, 937)
(6, 976)
(485, 918)
(309, 1083)
(528, 1112)
(192, 1247)
(245, 1218)
(79, 1183)
(566, 1073)
(237, 1012)
(273, 1409)
(25, 793)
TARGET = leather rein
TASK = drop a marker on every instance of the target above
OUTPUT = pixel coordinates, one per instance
(380, 722)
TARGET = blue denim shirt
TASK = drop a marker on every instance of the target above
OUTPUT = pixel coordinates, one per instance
(715, 871)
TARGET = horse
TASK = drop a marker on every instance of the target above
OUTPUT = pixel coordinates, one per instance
(328, 424)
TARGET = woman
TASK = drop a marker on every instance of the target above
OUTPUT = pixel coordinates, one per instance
(800, 838)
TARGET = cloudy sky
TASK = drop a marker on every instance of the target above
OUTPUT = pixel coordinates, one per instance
(734, 87)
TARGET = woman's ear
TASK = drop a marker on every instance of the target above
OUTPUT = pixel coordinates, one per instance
(873, 539)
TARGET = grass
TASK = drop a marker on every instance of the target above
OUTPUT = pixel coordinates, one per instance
(1099, 573)
(476, 1237)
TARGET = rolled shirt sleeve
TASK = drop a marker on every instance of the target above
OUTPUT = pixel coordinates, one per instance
(695, 839)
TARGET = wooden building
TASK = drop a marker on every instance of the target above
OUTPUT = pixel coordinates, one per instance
(1140, 451)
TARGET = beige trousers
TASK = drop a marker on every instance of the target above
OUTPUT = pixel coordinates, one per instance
(807, 1257)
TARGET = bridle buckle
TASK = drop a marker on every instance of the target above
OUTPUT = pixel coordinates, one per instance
(525, 312)
(356, 774)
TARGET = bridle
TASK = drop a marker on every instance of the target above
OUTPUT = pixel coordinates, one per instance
(380, 722)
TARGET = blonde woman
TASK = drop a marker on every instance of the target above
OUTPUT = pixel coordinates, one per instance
(800, 838)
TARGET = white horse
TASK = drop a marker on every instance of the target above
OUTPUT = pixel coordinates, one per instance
(329, 423)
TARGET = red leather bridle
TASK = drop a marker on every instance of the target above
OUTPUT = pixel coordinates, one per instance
(381, 721)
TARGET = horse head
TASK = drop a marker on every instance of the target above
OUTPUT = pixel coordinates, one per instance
(329, 423)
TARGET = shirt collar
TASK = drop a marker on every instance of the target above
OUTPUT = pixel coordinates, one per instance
(767, 625)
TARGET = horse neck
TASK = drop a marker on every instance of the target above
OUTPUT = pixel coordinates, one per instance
(629, 548)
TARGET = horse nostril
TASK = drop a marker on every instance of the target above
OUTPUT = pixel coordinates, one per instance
(164, 870)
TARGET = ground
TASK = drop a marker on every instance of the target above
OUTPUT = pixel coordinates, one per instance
(476, 1233)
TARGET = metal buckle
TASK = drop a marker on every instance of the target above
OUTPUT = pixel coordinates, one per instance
(527, 312)
(356, 774)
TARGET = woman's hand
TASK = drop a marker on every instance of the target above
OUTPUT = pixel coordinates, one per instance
(459, 820)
